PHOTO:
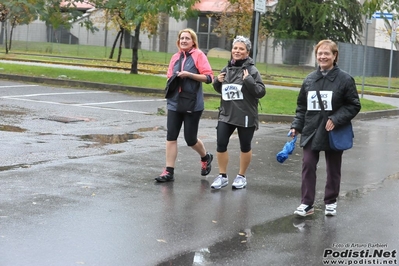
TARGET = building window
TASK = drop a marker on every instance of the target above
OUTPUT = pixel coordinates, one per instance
(203, 26)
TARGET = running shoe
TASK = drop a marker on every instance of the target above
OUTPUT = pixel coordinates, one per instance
(220, 182)
(239, 182)
(304, 210)
(165, 177)
(206, 166)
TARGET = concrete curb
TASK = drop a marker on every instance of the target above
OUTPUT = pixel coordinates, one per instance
(207, 114)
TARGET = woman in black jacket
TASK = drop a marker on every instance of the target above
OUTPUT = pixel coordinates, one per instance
(241, 87)
(341, 104)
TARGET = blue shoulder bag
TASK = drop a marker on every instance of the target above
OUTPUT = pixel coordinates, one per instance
(341, 138)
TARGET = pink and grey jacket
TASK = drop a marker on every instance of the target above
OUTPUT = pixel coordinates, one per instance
(196, 62)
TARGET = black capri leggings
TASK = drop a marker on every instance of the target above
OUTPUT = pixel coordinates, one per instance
(224, 131)
(191, 122)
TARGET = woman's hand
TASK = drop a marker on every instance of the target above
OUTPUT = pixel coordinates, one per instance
(329, 125)
(246, 73)
(185, 74)
(221, 77)
(293, 132)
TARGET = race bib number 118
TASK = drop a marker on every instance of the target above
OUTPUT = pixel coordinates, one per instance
(313, 101)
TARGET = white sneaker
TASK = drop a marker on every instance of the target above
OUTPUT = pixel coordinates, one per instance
(304, 210)
(220, 182)
(331, 209)
(239, 182)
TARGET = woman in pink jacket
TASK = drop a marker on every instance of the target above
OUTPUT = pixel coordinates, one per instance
(185, 104)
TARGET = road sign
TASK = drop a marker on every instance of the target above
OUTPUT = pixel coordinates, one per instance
(393, 33)
(260, 6)
(378, 15)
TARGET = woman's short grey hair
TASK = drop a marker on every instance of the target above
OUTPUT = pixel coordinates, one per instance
(244, 40)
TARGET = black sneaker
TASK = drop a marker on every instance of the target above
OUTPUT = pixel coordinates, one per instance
(165, 177)
(206, 166)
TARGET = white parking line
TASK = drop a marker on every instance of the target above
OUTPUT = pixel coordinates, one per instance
(79, 105)
(25, 97)
(131, 101)
(18, 86)
(48, 94)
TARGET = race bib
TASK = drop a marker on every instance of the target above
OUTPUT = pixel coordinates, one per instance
(232, 92)
(326, 100)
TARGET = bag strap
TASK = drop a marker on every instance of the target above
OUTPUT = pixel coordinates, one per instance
(323, 112)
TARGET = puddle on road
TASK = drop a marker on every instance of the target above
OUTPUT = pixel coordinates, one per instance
(10, 128)
(103, 139)
(110, 152)
(11, 113)
(17, 166)
(147, 129)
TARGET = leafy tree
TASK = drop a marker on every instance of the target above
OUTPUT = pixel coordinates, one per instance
(3, 17)
(371, 6)
(339, 20)
(238, 18)
(62, 14)
(137, 13)
(235, 19)
(56, 13)
(16, 12)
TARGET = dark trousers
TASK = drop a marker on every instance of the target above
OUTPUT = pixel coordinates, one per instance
(309, 167)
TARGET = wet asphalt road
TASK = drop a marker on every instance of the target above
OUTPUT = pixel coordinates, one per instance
(77, 169)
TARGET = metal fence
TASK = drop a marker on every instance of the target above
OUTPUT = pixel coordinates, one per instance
(352, 58)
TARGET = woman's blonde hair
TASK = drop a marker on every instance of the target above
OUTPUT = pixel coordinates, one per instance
(193, 36)
(332, 45)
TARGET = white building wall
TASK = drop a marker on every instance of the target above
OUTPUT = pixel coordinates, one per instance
(34, 32)
(382, 36)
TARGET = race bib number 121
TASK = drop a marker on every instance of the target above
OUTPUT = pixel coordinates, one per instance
(232, 92)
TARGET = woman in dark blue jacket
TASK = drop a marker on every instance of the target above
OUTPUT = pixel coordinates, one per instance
(341, 103)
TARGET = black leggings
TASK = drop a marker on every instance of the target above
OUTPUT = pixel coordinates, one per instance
(191, 122)
(224, 131)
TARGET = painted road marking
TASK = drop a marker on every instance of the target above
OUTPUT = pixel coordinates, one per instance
(84, 105)
(18, 86)
(50, 94)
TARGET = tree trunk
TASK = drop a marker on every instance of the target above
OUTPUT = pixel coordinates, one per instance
(111, 55)
(11, 31)
(2, 32)
(135, 58)
(120, 47)
(6, 34)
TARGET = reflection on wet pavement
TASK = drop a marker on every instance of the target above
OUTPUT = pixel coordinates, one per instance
(314, 233)
(356, 193)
